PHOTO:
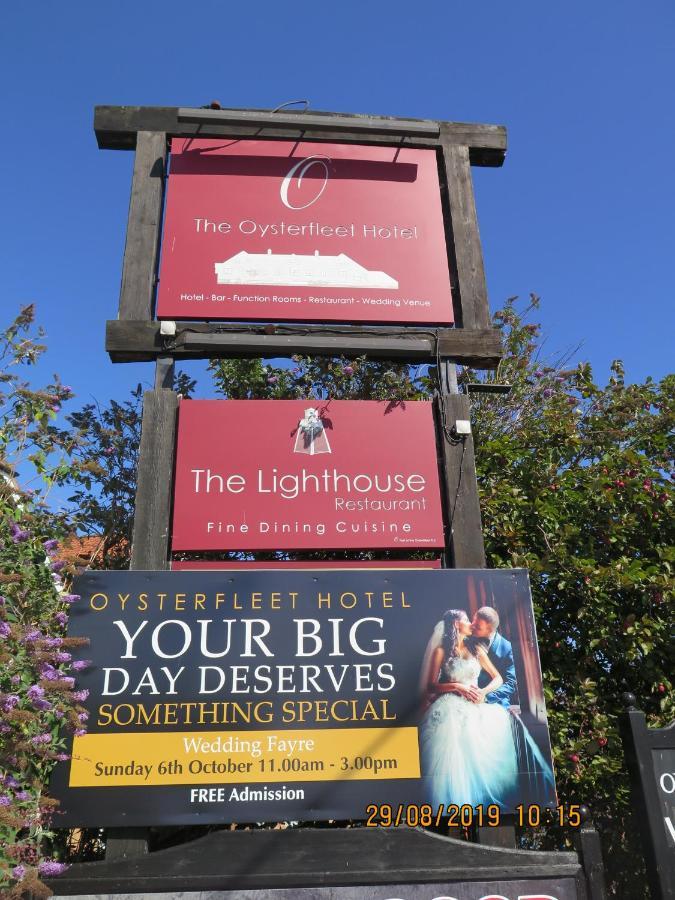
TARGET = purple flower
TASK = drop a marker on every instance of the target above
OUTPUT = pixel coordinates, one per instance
(18, 534)
(10, 781)
(42, 704)
(548, 393)
(79, 732)
(50, 545)
(57, 565)
(80, 696)
(61, 617)
(50, 643)
(35, 692)
(67, 680)
(108, 451)
(348, 370)
(80, 664)
(15, 679)
(272, 379)
(5, 729)
(70, 598)
(32, 635)
(62, 656)
(5, 800)
(63, 757)
(48, 672)
(539, 373)
(41, 739)
(58, 713)
(83, 716)
(3, 600)
(50, 867)
(9, 701)
(18, 872)
(55, 407)
(5, 630)
(22, 795)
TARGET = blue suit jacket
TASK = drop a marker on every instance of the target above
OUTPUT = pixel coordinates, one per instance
(500, 655)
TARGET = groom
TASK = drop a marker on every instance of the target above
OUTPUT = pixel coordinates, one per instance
(500, 653)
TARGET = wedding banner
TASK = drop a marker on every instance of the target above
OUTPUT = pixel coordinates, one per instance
(288, 230)
(302, 475)
(396, 697)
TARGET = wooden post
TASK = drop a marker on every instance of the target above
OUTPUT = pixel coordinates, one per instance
(152, 522)
(464, 249)
(590, 853)
(144, 226)
(464, 541)
(150, 545)
(125, 843)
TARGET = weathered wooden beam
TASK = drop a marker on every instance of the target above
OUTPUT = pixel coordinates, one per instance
(141, 341)
(336, 122)
(143, 228)
(308, 857)
(465, 254)
(465, 534)
(117, 128)
(152, 514)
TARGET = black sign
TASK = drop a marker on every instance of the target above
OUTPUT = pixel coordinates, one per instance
(650, 753)
(399, 697)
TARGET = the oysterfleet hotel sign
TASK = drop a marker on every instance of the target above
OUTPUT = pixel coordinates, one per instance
(298, 474)
(263, 696)
(303, 231)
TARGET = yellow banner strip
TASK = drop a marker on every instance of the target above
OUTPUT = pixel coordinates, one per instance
(234, 757)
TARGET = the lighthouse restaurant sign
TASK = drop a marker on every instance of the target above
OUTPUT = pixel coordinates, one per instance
(297, 474)
(307, 695)
(301, 231)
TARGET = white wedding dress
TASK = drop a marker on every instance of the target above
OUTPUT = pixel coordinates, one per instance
(468, 754)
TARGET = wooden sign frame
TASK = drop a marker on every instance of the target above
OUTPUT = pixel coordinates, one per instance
(245, 860)
(136, 337)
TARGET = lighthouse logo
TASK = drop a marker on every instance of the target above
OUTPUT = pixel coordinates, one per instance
(311, 437)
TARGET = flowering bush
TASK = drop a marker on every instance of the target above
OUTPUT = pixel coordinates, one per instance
(38, 697)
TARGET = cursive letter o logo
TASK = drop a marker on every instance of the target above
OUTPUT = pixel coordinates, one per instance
(301, 168)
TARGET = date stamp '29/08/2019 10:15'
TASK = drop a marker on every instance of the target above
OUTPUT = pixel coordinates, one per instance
(385, 815)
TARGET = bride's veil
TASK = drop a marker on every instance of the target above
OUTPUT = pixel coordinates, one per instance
(434, 642)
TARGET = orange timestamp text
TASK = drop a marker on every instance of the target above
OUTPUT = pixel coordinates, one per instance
(451, 815)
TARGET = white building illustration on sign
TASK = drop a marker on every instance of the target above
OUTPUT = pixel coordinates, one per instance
(299, 270)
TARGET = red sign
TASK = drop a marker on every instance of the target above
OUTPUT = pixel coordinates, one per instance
(303, 231)
(300, 474)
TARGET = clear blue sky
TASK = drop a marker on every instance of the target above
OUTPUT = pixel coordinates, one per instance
(581, 213)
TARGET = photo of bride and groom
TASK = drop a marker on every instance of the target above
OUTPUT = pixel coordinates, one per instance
(474, 746)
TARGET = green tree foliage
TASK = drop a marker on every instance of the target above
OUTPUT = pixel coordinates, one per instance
(576, 486)
(104, 457)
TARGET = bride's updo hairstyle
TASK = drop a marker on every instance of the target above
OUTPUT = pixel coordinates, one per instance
(449, 641)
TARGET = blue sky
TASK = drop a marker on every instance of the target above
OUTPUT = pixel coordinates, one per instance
(579, 214)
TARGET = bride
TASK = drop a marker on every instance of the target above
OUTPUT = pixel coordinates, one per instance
(467, 749)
